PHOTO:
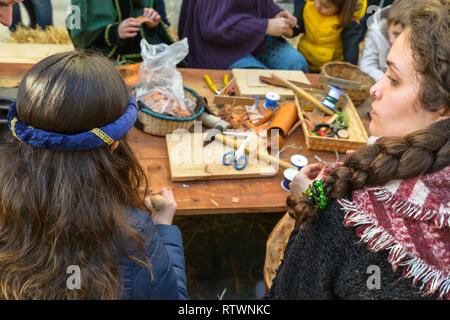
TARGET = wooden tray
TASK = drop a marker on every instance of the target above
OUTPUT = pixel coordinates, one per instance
(357, 133)
(190, 161)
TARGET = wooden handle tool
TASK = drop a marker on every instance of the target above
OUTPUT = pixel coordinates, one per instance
(302, 93)
(158, 202)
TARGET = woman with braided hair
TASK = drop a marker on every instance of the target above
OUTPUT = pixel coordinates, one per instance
(384, 233)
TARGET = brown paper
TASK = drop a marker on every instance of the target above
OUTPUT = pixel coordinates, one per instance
(129, 73)
(142, 19)
(285, 118)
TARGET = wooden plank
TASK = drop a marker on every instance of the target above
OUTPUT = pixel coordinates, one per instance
(30, 52)
(10, 82)
(272, 81)
(242, 76)
(234, 100)
(190, 161)
(15, 69)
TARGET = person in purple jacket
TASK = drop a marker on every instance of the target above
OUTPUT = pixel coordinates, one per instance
(236, 34)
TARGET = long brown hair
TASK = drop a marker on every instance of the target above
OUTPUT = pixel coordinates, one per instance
(418, 153)
(347, 9)
(57, 208)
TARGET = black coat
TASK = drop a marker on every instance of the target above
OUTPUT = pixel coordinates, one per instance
(326, 260)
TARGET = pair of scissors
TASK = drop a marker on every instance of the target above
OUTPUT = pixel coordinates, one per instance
(237, 157)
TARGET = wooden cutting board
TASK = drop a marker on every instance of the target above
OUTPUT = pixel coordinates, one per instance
(30, 52)
(248, 83)
(190, 161)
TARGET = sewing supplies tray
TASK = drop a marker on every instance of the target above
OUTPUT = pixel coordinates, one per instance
(357, 133)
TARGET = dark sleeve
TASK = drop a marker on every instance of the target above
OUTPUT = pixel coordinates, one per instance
(222, 26)
(164, 248)
(299, 15)
(350, 42)
(98, 25)
(173, 242)
(109, 36)
(273, 9)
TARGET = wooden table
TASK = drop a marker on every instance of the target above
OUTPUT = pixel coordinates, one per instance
(216, 196)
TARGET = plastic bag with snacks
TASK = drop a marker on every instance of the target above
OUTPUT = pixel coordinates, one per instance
(159, 83)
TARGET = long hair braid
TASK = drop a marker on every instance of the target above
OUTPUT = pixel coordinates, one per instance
(418, 153)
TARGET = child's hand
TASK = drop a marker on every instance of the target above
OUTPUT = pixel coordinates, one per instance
(128, 28)
(292, 20)
(278, 27)
(154, 16)
(164, 216)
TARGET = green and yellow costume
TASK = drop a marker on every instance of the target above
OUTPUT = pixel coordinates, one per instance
(100, 20)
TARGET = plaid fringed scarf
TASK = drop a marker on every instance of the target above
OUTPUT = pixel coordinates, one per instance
(410, 219)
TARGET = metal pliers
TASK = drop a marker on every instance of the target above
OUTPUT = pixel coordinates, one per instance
(212, 86)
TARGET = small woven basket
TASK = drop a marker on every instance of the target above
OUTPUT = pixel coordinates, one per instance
(160, 125)
(348, 71)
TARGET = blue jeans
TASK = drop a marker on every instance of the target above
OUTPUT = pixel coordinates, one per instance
(278, 54)
(40, 12)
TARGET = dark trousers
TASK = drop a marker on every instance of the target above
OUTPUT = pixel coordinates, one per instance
(39, 11)
(160, 7)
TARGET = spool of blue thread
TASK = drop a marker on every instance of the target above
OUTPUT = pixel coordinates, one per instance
(332, 98)
(271, 100)
(299, 161)
(289, 175)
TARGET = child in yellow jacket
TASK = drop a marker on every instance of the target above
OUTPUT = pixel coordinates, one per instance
(331, 30)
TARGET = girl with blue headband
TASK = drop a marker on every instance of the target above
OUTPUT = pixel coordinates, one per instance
(72, 223)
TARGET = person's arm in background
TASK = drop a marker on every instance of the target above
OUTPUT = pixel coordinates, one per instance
(369, 62)
(350, 42)
(100, 26)
(223, 27)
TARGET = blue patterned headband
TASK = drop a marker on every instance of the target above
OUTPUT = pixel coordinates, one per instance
(95, 138)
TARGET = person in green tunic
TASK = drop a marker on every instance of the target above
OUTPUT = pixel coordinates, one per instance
(110, 26)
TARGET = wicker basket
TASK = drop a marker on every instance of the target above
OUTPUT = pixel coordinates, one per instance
(160, 125)
(348, 71)
(358, 135)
